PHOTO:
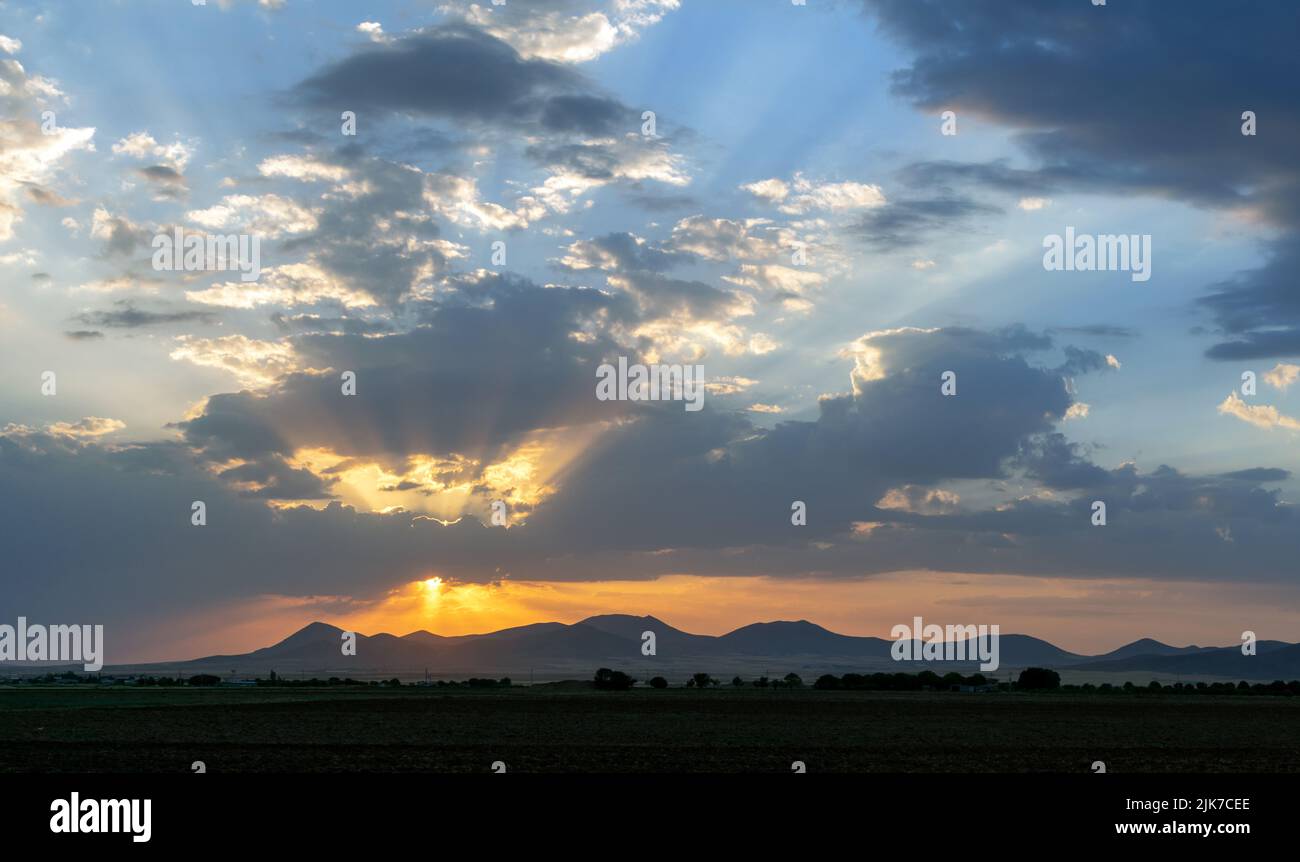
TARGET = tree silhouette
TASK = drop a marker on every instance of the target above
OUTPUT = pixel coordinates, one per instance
(1039, 678)
(613, 680)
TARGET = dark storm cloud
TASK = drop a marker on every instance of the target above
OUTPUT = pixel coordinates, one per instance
(908, 222)
(1130, 98)
(715, 480)
(301, 323)
(142, 543)
(624, 252)
(661, 203)
(1058, 463)
(460, 73)
(711, 487)
(126, 316)
(996, 174)
(277, 480)
(661, 296)
(1080, 361)
(162, 174)
(1260, 310)
(376, 242)
(493, 362)
(1130, 95)
(1098, 330)
(1259, 474)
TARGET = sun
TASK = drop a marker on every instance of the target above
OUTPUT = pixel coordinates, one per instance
(431, 585)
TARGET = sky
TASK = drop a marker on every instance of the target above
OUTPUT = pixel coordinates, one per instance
(472, 207)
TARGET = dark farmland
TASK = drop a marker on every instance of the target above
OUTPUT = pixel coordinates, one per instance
(550, 729)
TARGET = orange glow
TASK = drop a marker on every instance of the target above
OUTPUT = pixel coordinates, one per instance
(1080, 615)
(447, 488)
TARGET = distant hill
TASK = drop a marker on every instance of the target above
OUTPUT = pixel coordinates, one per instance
(614, 640)
(1274, 662)
(1147, 647)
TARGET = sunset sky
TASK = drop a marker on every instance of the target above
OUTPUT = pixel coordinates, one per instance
(798, 224)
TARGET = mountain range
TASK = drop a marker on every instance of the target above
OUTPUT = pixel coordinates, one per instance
(554, 650)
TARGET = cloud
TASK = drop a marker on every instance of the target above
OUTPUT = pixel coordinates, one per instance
(616, 252)
(32, 154)
(267, 215)
(1260, 474)
(1260, 415)
(995, 61)
(566, 31)
(908, 222)
(126, 316)
(713, 490)
(1099, 330)
(459, 72)
(253, 363)
(121, 235)
(141, 145)
(1282, 376)
(89, 427)
(801, 195)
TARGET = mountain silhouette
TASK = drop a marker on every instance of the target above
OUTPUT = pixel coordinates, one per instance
(615, 640)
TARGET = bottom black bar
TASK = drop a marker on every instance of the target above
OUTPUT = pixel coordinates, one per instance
(334, 811)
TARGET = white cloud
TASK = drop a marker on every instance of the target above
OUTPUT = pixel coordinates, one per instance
(719, 239)
(29, 157)
(1282, 376)
(288, 285)
(373, 30)
(729, 385)
(1259, 415)
(269, 215)
(303, 168)
(141, 145)
(775, 278)
(1031, 204)
(769, 190)
(253, 363)
(803, 195)
(568, 33)
(90, 426)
